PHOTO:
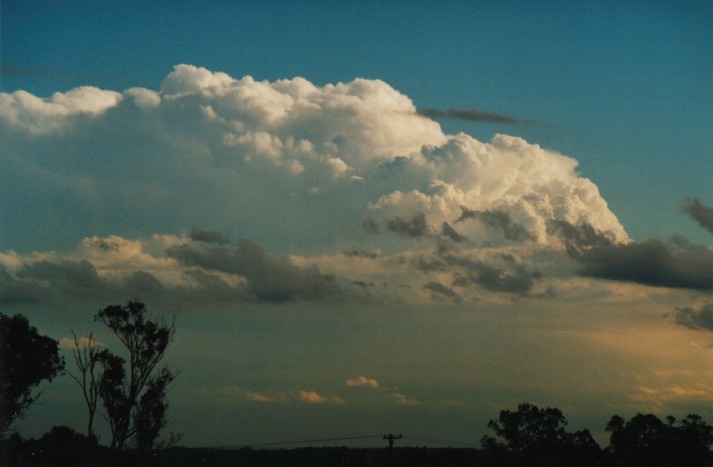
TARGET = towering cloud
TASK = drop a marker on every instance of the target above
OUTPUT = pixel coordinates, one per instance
(258, 159)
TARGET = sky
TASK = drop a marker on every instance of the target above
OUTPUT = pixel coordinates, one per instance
(369, 218)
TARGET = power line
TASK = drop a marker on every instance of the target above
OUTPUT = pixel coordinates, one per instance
(277, 443)
(349, 438)
(441, 441)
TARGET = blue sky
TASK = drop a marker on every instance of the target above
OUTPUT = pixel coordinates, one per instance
(310, 227)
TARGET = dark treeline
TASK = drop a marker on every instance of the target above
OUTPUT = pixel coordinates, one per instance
(528, 436)
(133, 395)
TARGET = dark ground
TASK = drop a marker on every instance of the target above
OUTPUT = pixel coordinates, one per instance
(31, 455)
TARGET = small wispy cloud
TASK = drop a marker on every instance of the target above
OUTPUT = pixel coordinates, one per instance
(404, 400)
(81, 343)
(313, 397)
(257, 397)
(441, 290)
(15, 70)
(699, 212)
(208, 236)
(362, 381)
(652, 399)
(469, 115)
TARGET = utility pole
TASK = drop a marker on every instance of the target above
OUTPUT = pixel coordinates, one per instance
(391, 439)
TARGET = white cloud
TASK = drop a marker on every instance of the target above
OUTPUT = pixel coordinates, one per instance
(533, 185)
(253, 396)
(362, 381)
(35, 115)
(313, 397)
(404, 400)
(144, 99)
(236, 392)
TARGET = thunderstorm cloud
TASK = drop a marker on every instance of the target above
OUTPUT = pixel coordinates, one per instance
(338, 186)
(258, 159)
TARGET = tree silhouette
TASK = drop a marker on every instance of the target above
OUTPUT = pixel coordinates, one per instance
(87, 356)
(533, 432)
(135, 402)
(646, 440)
(150, 418)
(26, 358)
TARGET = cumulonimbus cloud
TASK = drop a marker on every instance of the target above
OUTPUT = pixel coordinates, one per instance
(283, 153)
(341, 170)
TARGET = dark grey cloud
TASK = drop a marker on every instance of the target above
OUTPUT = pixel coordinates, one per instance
(696, 319)
(431, 265)
(361, 254)
(518, 280)
(9, 69)
(699, 212)
(47, 280)
(652, 262)
(208, 236)
(76, 278)
(579, 236)
(499, 220)
(45, 73)
(104, 244)
(144, 284)
(515, 278)
(441, 290)
(269, 278)
(370, 226)
(451, 233)
(415, 227)
(15, 291)
(468, 115)
(211, 287)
